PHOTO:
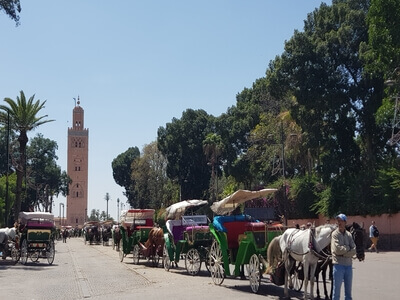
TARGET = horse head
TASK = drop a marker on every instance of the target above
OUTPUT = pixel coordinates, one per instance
(358, 236)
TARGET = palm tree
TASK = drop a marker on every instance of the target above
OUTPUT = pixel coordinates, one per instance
(23, 118)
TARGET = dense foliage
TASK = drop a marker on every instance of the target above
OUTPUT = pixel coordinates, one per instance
(316, 126)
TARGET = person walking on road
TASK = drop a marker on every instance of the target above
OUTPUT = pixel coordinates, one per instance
(343, 249)
(64, 235)
(374, 236)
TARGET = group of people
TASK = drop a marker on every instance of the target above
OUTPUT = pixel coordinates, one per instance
(343, 249)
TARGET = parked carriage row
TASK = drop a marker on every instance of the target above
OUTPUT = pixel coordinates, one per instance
(228, 246)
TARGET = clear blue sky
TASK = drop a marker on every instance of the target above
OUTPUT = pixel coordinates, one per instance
(136, 65)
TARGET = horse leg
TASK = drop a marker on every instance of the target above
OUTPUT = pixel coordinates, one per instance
(312, 278)
(306, 269)
(317, 272)
(323, 273)
(286, 259)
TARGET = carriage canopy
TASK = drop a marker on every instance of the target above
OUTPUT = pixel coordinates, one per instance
(137, 216)
(228, 204)
(177, 210)
(37, 217)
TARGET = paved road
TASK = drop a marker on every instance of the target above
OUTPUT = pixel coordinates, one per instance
(94, 272)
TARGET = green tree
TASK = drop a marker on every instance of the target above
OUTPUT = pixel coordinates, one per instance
(12, 8)
(149, 175)
(12, 178)
(45, 179)
(335, 101)
(181, 142)
(24, 118)
(94, 215)
(122, 170)
(213, 148)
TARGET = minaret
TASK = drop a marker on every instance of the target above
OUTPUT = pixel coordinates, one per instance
(78, 146)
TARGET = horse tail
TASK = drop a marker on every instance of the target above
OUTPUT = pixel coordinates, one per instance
(274, 254)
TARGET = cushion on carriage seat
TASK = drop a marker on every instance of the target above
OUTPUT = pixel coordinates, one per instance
(233, 230)
(177, 232)
(255, 226)
(202, 228)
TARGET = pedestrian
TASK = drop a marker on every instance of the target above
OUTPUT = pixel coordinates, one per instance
(374, 236)
(64, 235)
(343, 249)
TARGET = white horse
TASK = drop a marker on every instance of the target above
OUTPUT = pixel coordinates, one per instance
(304, 246)
(6, 233)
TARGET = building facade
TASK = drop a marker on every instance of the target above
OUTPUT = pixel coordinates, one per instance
(77, 168)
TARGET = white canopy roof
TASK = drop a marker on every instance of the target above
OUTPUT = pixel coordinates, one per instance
(177, 210)
(25, 216)
(228, 204)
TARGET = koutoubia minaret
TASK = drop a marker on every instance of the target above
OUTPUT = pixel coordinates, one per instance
(78, 150)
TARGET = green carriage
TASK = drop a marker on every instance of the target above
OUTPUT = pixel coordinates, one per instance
(186, 236)
(239, 240)
(135, 227)
(37, 233)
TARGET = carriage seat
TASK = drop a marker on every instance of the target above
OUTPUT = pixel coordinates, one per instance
(177, 228)
(233, 231)
(40, 224)
(197, 233)
(255, 226)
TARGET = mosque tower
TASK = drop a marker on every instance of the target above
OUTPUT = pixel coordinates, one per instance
(77, 168)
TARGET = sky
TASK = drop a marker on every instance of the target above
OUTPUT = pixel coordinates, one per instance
(136, 65)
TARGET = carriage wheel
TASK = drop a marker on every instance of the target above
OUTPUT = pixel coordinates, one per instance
(15, 254)
(216, 263)
(166, 260)
(193, 261)
(50, 253)
(121, 254)
(255, 272)
(207, 259)
(297, 276)
(136, 254)
(24, 252)
(34, 256)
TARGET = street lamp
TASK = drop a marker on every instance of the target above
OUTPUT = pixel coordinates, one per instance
(62, 219)
(118, 210)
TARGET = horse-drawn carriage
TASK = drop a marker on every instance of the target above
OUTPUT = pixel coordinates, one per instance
(106, 233)
(36, 236)
(187, 236)
(140, 236)
(92, 232)
(239, 240)
(8, 244)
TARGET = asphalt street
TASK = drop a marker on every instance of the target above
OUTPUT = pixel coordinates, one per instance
(84, 271)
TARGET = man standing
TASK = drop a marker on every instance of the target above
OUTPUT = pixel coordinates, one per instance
(343, 249)
(374, 236)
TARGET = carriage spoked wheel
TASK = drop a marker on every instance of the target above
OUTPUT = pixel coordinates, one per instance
(297, 276)
(24, 252)
(121, 254)
(136, 254)
(15, 254)
(255, 273)
(193, 261)
(34, 256)
(50, 253)
(216, 263)
(166, 260)
(207, 259)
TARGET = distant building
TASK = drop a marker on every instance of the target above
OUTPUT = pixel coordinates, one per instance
(77, 168)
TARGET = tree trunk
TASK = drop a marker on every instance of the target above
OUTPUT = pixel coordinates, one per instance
(23, 140)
